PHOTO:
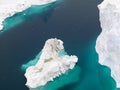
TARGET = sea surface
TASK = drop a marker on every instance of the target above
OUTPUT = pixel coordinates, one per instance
(76, 23)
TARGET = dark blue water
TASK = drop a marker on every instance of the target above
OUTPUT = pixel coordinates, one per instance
(76, 22)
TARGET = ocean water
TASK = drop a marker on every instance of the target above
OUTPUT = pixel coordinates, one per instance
(76, 22)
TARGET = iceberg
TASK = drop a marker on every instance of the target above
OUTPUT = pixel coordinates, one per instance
(53, 62)
(9, 8)
(108, 42)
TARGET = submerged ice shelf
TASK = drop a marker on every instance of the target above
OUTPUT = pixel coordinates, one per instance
(108, 43)
(9, 8)
(52, 63)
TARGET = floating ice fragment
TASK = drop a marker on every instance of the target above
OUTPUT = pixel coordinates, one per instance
(50, 64)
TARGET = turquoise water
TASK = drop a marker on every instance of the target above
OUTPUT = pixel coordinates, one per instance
(31, 62)
(76, 22)
(95, 74)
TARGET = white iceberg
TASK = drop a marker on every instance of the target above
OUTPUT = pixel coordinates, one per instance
(9, 8)
(108, 43)
(50, 65)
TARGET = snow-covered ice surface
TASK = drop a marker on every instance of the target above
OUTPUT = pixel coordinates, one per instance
(108, 42)
(9, 8)
(50, 65)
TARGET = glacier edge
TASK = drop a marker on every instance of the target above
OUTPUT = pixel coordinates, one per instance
(9, 8)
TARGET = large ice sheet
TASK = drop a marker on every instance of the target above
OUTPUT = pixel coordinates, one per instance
(108, 42)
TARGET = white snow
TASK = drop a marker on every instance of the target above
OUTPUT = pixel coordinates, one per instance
(50, 65)
(10, 7)
(108, 43)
